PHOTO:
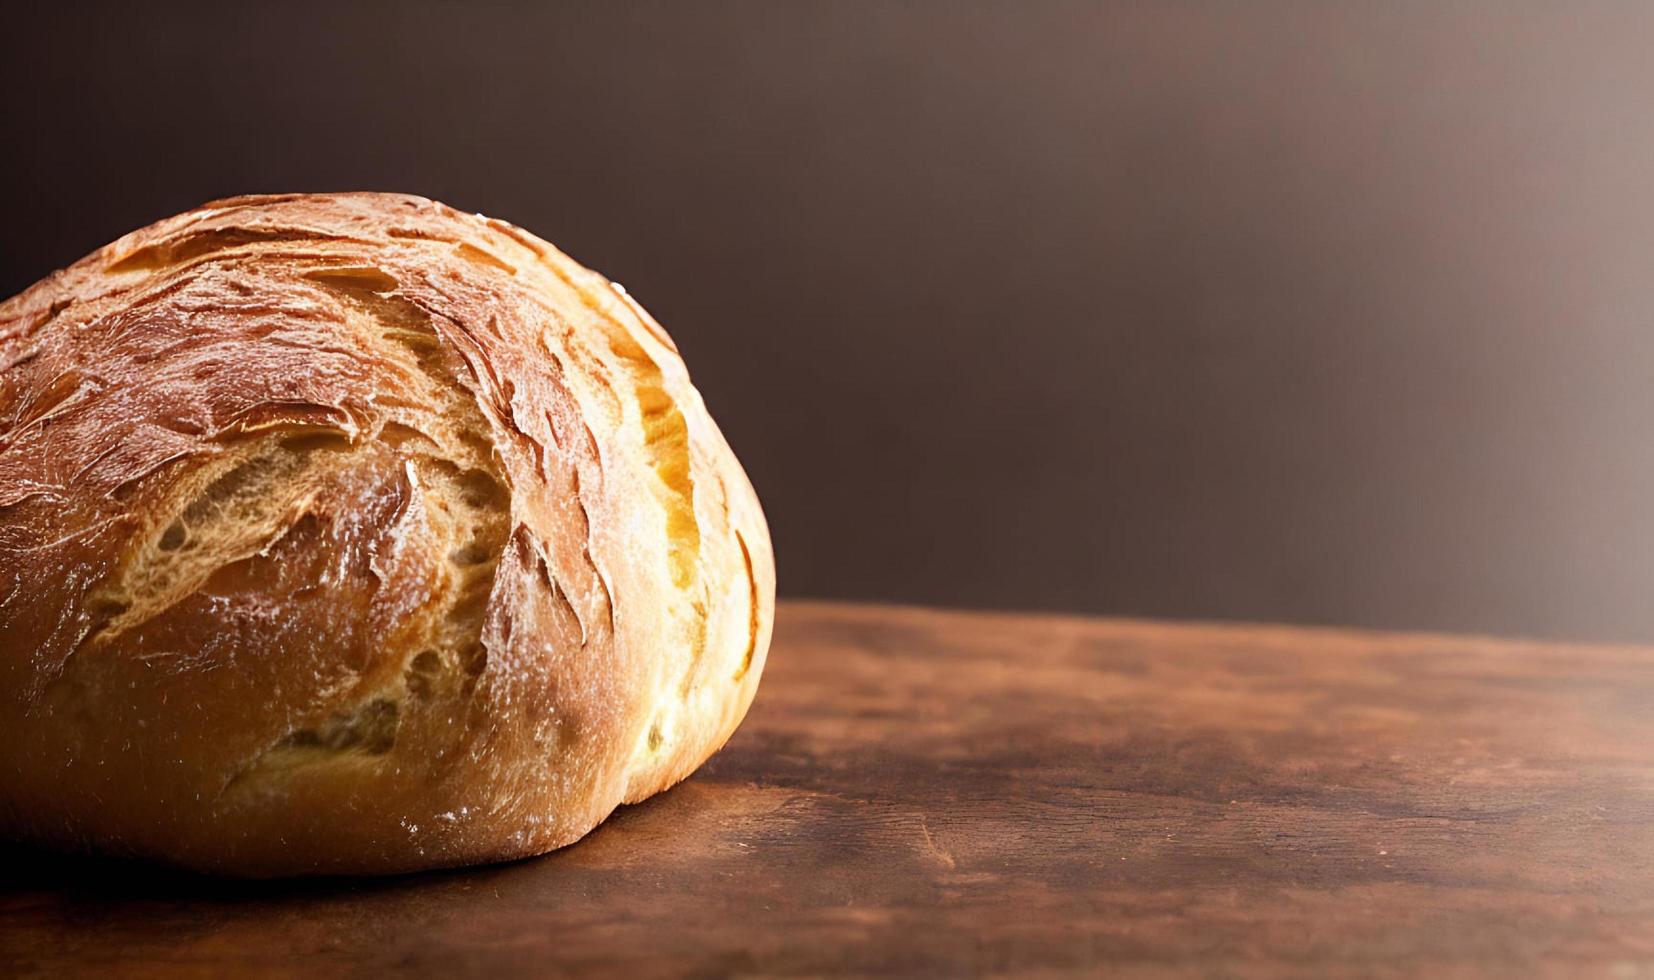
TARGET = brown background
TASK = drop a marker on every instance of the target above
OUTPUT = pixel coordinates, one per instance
(1299, 311)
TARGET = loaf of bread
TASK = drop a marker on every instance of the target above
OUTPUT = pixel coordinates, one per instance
(349, 533)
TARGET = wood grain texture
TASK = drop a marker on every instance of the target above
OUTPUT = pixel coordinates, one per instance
(933, 792)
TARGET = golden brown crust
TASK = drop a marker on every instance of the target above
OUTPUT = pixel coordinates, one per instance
(351, 533)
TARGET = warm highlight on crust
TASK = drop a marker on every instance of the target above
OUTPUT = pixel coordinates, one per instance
(351, 533)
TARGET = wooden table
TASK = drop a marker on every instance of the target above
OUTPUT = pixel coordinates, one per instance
(922, 792)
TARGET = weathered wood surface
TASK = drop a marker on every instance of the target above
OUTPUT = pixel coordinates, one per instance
(922, 792)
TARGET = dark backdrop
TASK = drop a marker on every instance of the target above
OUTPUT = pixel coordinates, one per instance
(1302, 311)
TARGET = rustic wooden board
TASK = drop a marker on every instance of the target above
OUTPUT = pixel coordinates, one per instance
(933, 792)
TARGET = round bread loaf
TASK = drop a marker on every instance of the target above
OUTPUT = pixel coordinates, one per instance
(349, 533)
